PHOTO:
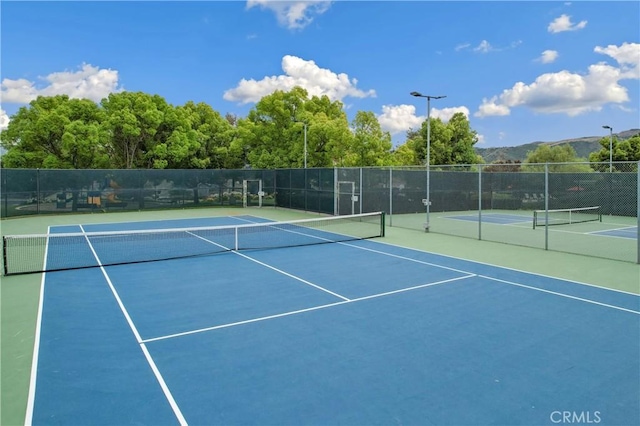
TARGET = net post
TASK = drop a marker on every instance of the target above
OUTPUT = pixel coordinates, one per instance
(382, 223)
(4, 255)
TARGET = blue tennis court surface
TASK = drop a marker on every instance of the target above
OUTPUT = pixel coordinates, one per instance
(353, 333)
(497, 218)
(627, 232)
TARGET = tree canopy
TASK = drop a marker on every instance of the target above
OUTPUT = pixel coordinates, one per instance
(130, 130)
(451, 143)
(560, 158)
(626, 150)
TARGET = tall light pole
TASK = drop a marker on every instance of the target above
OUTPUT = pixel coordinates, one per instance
(305, 145)
(610, 147)
(304, 123)
(428, 200)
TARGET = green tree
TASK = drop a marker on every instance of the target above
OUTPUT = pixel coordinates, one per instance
(200, 138)
(412, 152)
(503, 166)
(56, 132)
(626, 150)
(440, 142)
(560, 158)
(270, 137)
(327, 131)
(463, 138)
(450, 143)
(370, 146)
(405, 155)
(135, 125)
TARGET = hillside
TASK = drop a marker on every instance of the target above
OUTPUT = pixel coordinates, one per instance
(583, 146)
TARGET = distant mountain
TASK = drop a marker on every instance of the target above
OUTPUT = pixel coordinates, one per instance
(583, 146)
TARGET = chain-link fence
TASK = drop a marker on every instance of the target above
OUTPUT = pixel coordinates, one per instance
(46, 191)
(582, 208)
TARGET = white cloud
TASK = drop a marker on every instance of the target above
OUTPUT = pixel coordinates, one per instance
(19, 91)
(548, 56)
(4, 119)
(400, 118)
(294, 15)
(515, 44)
(445, 114)
(88, 82)
(563, 23)
(565, 92)
(625, 109)
(489, 107)
(484, 47)
(481, 138)
(627, 55)
(298, 72)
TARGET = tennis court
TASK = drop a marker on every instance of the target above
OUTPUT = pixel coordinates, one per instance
(630, 232)
(494, 218)
(611, 230)
(357, 331)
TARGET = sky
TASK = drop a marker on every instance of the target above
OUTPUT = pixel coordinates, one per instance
(520, 71)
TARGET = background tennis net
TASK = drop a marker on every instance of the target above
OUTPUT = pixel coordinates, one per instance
(53, 252)
(566, 216)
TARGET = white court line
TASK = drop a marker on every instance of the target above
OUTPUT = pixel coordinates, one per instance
(528, 224)
(511, 269)
(161, 223)
(28, 419)
(620, 229)
(631, 230)
(474, 219)
(561, 294)
(611, 236)
(152, 364)
(422, 262)
(272, 268)
(344, 243)
(599, 233)
(300, 311)
(479, 263)
(292, 276)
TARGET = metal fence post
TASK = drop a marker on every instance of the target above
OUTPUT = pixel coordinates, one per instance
(390, 196)
(360, 191)
(479, 201)
(38, 191)
(546, 206)
(335, 191)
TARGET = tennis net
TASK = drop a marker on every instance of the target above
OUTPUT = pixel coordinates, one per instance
(25, 254)
(566, 216)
